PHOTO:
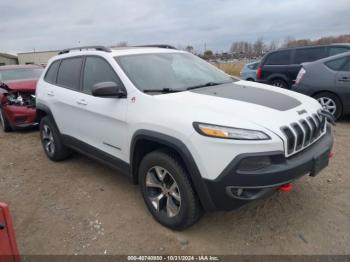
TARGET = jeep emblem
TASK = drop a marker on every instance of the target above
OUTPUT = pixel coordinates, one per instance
(303, 111)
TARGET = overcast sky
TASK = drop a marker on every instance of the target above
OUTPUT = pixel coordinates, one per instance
(51, 25)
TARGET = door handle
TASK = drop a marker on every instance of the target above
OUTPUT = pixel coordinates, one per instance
(51, 93)
(82, 102)
(344, 79)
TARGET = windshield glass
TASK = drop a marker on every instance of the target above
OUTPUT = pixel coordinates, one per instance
(170, 71)
(19, 74)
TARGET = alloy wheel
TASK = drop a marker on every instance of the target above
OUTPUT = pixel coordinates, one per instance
(48, 140)
(163, 191)
(328, 104)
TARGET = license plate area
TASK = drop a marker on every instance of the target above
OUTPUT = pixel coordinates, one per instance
(319, 163)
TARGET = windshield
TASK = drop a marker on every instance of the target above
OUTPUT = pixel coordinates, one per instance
(20, 74)
(170, 71)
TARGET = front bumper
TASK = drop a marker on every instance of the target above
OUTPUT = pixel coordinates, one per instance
(20, 116)
(226, 190)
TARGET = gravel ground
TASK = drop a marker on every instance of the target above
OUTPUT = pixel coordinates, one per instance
(82, 207)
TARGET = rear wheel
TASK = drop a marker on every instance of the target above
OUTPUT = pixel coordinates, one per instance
(331, 103)
(5, 125)
(279, 83)
(51, 140)
(167, 191)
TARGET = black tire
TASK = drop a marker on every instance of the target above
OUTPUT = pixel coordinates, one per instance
(188, 209)
(5, 125)
(251, 80)
(334, 100)
(279, 83)
(49, 134)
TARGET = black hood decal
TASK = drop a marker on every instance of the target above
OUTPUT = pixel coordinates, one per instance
(252, 95)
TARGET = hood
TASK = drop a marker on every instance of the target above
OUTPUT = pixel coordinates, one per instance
(244, 104)
(27, 85)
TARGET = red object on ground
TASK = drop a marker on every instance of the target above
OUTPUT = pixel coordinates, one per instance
(8, 245)
(286, 188)
(331, 154)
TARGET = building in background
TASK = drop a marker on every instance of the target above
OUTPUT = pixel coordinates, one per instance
(7, 59)
(39, 58)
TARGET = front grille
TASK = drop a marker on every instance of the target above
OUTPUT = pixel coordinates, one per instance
(301, 134)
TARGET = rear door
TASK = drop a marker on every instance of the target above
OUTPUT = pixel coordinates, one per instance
(343, 83)
(64, 102)
(102, 121)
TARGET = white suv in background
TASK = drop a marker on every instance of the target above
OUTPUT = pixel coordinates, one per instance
(193, 138)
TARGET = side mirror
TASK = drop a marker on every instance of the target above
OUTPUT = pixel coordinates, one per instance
(108, 89)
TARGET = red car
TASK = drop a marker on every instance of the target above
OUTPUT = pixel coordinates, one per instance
(17, 96)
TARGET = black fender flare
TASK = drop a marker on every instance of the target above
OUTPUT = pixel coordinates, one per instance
(177, 145)
(47, 110)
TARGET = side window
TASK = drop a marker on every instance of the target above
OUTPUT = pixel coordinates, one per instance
(69, 73)
(97, 70)
(336, 64)
(51, 73)
(337, 50)
(347, 66)
(309, 54)
(279, 58)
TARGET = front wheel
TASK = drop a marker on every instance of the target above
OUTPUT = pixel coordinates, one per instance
(331, 103)
(167, 191)
(5, 125)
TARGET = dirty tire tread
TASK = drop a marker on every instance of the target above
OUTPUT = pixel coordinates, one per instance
(6, 127)
(61, 151)
(194, 209)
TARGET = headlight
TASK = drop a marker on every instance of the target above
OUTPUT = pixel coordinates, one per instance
(229, 132)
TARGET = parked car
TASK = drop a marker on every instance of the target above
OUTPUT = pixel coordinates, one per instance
(17, 96)
(328, 81)
(190, 135)
(280, 68)
(249, 71)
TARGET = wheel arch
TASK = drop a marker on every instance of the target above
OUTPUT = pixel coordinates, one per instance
(145, 141)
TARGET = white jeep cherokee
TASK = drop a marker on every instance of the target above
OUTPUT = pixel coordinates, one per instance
(190, 135)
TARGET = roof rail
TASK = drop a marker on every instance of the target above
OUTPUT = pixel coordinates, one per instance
(159, 46)
(96, 47)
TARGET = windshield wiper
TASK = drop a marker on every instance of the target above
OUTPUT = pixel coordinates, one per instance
(206, 84)
(163, 90)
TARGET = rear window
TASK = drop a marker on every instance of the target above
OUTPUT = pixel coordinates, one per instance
(336, 64)
(20, 74)
(254, 66)
(279, 58)
(337, 50)
(51, 73)
(69, 73)
(309, 54)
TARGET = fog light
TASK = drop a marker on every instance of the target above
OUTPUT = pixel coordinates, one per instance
(254, 163)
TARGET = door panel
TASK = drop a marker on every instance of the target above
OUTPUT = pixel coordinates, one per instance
(102, 120)
(64, 96)
(343, 84)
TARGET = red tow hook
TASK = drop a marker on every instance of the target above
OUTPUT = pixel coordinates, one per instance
(286, 188)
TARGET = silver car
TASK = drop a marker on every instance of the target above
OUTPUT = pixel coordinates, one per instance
(328, 81)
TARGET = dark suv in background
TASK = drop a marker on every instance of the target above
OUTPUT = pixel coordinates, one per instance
(280, 68)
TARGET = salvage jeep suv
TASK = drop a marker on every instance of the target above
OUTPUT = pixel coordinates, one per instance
(193, 138)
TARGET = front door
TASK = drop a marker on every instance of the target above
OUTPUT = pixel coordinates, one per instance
(102, 120)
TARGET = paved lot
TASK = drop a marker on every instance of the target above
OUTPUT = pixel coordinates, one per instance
(81, 207)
